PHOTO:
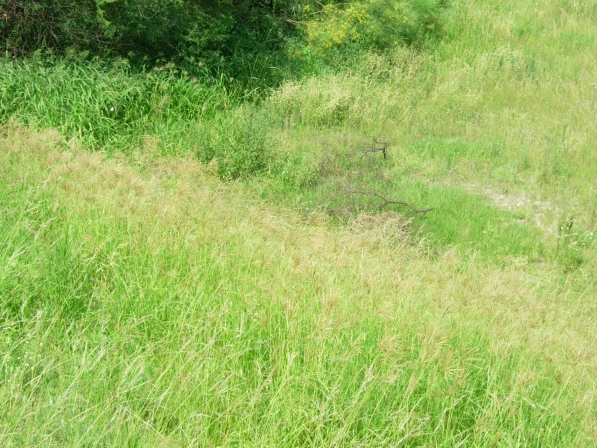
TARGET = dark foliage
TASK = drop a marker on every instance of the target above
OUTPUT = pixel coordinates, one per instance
(214, 32)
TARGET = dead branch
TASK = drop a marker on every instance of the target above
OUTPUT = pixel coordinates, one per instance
(423, 211)
(378, 146)
(359, 168)
(296, 22)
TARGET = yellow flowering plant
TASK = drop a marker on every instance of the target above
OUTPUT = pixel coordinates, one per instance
(369, 23)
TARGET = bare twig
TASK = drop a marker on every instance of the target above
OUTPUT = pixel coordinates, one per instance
(423, 211)
(146, 17)
(378, 146)
(296, 22)
(362, 168)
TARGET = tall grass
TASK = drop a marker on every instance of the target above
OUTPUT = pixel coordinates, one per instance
(165, 111)
(158, 306)
(108, 105)
(147, 302)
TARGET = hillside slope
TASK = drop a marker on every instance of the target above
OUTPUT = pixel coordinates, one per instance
(149, 303)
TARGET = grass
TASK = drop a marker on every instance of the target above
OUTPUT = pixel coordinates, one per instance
(109, 105)
(159, 306)
(201, 276)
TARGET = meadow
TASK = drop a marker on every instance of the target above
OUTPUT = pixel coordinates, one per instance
(205, 261)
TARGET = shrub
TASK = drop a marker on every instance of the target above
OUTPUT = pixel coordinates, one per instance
(236, 143)
(214, 33)
(26, 26)
(370, 23)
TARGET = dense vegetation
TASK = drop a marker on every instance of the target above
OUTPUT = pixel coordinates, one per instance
(296, 223)
(243, 38)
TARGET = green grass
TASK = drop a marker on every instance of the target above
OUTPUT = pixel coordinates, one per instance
(109, 105)
(162, 307)
(189, 269)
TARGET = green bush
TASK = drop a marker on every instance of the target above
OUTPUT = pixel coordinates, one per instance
(236, 143)
(242, 38)
(26, 26)
(221, 34)
(370, 23)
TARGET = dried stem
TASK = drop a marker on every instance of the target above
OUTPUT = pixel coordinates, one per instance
(388, 201)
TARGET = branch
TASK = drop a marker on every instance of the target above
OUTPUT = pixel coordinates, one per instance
(423, 211)
(296, 22)
(379, 146)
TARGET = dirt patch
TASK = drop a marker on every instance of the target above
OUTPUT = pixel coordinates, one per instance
(543, 214)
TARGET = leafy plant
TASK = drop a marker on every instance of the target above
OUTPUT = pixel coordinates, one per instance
(214, 34)
(236, 144)
(370, 24)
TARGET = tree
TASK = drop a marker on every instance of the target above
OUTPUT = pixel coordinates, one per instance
(168, 29)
